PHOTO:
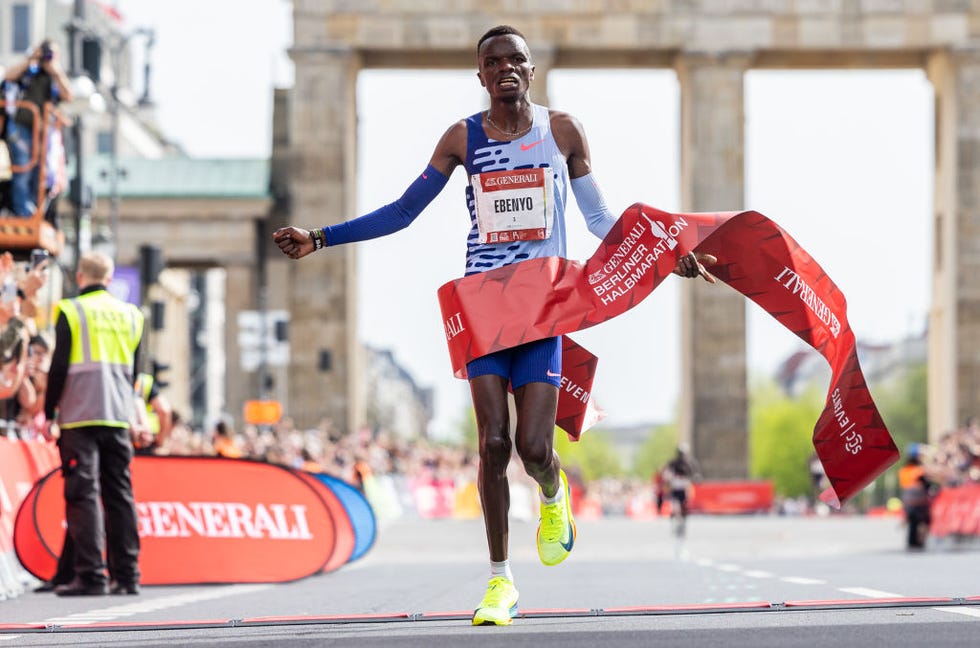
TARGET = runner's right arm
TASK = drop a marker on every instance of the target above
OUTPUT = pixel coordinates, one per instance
(296, 242)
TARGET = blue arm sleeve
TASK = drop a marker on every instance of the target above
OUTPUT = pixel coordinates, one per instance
(393, 216)
(598, 218)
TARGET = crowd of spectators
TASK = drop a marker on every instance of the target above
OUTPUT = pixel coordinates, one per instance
(954, 460)
(323, 449)
(25, 350)
(353, 457)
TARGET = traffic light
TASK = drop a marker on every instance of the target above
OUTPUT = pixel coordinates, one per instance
(151, 264)
(80, 194)
(157, 368)
(157, 312)
(92, 58)
(281, 327)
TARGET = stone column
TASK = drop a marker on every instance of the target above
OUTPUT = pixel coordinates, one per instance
(240, 385)
(324, 376)
(543, 58)
(714, 394)
(954, 319)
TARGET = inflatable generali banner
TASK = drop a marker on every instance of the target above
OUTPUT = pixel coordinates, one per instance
(214, 520)
(545, 297)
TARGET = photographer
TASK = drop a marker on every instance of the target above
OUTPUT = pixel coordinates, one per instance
(38, 79)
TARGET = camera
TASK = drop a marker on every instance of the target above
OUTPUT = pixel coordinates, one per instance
(46, 52)
(38, 256)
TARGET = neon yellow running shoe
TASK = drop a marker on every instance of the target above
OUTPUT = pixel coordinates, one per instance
(556, 531)
(499, 604)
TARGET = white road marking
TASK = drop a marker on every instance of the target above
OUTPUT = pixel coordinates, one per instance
(870, 593)
(10, 637)
(153, 604)
(758, 573)
(729, 568)
(966, 611)
(799, 580)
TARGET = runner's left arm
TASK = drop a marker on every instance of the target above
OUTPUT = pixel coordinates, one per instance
(571, 140)
(598, 217)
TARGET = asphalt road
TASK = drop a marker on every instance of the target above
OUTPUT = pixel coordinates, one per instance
(735, 581)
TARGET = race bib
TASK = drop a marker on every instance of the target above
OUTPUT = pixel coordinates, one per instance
(514, 205)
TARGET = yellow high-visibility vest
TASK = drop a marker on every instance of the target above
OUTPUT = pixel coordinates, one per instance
(105, 333)
(152, 418)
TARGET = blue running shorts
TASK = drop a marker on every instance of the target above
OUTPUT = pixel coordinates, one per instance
(538, 361)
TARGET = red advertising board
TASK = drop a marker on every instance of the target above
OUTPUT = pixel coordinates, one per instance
(202, 520)
(956, 512)
(732, 497)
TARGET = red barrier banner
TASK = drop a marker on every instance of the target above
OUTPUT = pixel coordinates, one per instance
(344, 530)
(539, 298)
(726, 497)
(201, 520)
(21, 464)
(434, 498)
(956, 511)
(32, 549)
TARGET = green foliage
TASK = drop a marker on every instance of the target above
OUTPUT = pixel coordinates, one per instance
(594, 456)
(902, 402)
(780, 437)
(656, 451)
(782, 429)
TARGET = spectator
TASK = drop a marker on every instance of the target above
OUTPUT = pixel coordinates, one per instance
(28, 407)
(916, 495)
(14, 331)
(225, 444)
(159, 415)
(38, 79)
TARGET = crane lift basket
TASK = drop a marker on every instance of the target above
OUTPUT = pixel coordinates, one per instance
(21, 234)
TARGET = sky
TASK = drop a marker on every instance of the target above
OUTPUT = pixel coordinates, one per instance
(842, 160)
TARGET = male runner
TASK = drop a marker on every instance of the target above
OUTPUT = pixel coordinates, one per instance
(680, 473)
(503, 147)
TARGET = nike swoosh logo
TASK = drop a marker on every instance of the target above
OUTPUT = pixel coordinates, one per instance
(425, 177)
(551, 374)
(571, 540)
(528, 147)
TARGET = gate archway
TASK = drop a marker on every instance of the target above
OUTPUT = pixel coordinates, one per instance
(710, 47)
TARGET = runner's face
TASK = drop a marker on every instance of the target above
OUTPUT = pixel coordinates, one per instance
(505, 67)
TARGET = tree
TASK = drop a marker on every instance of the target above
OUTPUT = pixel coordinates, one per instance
(781, 437)
(656, 451)
(902, 403)
(594, 455)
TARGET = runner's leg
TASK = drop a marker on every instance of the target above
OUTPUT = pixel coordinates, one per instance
(536, 404)
(489, 394)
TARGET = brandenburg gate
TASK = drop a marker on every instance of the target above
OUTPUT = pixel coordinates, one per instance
(710, 45)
